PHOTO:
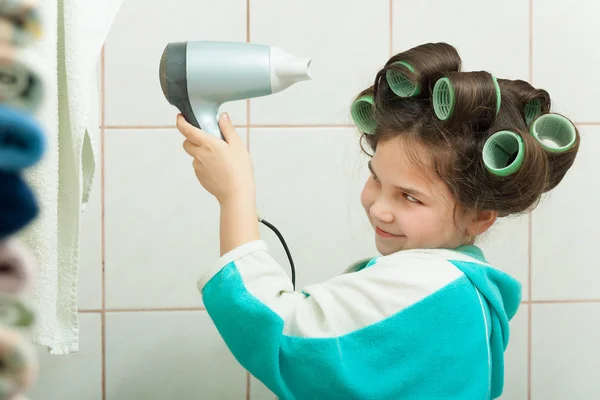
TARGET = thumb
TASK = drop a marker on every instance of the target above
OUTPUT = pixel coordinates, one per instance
(228, 130)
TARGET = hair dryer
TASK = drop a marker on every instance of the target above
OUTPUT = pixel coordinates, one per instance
(198, 77)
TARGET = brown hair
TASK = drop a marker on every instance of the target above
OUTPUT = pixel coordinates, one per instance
(456, 144)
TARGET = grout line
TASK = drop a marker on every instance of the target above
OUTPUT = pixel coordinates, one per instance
(248, 21)
(103, 319)
(529, 310)
(102, 220)
(530, 228)
(264, 126)
(248, 385)
(148, 127)
(180, 309)
(531, 42)
(128, 127)
(575, 301)
(390, 21)
(267, 126)
(248, 388)
(248, 125)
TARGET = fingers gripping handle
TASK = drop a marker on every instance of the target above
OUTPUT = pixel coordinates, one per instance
(207, 116)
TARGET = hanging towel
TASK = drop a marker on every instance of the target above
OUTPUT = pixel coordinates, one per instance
(74, 33)
(18, 205)
(19, 21)
(22, 139)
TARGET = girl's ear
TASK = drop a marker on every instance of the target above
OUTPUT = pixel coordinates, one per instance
(481, 222)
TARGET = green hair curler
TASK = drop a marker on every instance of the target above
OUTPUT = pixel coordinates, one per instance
(554, 132)
(362, 113)
(503, 153)
(532, 109)
(399, 82)
(444, 97)
(498, 94)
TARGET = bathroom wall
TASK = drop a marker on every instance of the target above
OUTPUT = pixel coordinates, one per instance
(150, 228)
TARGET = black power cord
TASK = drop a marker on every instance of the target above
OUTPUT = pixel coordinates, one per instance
(285, 247)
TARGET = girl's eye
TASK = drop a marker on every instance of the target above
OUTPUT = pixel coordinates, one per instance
(374, 178)
(411, 199)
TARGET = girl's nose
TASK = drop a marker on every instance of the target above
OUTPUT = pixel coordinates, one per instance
(381, 211)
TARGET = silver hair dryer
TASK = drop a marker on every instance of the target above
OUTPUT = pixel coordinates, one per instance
(198, 77)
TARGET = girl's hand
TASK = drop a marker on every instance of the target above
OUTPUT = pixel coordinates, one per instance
(223, 167)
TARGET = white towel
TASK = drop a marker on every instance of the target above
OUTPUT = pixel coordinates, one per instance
(75, 31)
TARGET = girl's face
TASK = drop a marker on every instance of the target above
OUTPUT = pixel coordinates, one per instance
(410, 207)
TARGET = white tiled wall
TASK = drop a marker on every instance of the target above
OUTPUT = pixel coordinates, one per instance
(144, 334)
(348, 41)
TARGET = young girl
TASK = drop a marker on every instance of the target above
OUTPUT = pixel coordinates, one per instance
(429, 318)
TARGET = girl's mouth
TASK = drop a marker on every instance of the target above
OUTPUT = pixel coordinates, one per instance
(383, 233)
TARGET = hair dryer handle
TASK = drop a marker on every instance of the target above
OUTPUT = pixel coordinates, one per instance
(207, 117)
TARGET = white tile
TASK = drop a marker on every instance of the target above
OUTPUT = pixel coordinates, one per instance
(565, 353)
(565, 230)
(77, 375)
(565, 36)
(308, 185)
(161, 225)
(515, 358)
(348, 42)
(135, 45)
(506, 247)
(479, 31)
(89, 290)
(169, 355)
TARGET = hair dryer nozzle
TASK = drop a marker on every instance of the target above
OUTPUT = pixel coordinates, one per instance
(287, 69)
